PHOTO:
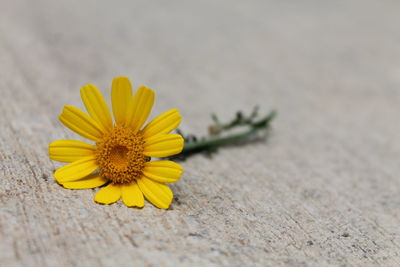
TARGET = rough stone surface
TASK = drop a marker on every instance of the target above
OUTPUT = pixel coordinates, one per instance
(323, 190)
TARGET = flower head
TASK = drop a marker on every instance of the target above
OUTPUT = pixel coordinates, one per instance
(121, 155)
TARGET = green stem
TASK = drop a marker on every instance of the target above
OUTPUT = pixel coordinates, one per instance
(214, 142)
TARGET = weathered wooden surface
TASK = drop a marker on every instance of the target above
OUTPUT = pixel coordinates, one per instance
(323, 190)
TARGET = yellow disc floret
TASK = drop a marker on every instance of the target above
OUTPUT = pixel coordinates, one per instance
(120, 155)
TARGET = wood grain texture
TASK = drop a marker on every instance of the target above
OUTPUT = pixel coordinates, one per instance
(323, 190)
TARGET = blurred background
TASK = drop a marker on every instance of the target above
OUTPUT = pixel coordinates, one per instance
(322, 190)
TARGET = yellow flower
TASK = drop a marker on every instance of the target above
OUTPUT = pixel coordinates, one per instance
(121, 156)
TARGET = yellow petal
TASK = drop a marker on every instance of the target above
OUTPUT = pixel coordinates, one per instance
(163, 171)
(163, 145)
(109, 194)
(140, 107)
(90, 181)
(163, 124)
(70, 150)
(76, 170)
(81, 123)
(121, 97)
(96, 106)
(160, 195)
(132, 196)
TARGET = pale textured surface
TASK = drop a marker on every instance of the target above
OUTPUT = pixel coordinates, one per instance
(323, 190)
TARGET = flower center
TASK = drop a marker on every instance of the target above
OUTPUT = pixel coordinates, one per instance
(120, 155)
